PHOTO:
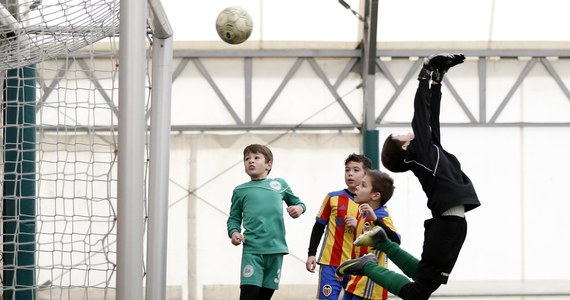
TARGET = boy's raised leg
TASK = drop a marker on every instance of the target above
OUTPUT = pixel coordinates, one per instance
(378, 239)
(368, 265)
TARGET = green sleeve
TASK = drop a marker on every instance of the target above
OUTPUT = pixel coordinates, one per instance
(235, 218)
(290, 197)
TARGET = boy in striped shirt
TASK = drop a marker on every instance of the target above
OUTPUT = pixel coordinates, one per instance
(337, 246)
(375, 189)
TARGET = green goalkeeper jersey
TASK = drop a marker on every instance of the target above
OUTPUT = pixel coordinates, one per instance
(258, 206)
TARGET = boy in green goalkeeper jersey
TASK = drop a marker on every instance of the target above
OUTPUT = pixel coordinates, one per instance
(257, 205)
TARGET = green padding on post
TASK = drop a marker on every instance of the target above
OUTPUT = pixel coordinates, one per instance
(371, 147)
(20, 184)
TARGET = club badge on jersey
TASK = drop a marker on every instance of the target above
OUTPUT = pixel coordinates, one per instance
(327, 290)
(276, 185)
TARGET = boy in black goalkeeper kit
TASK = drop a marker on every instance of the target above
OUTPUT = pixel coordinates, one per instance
(449, 192)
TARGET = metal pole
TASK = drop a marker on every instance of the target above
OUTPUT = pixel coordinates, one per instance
(19, 201)
(159, 169)
(369, 133)
(370, 146)
(162, 53)
(130, 213)
(192, 223)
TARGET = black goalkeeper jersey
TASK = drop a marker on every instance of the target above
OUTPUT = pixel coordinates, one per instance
(438, 171)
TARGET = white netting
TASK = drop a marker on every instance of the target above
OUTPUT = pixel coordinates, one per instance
(74, 83)
(77, 178)
(35, 30)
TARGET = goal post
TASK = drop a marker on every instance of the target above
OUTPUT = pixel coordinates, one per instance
(80, 159)
(19, 188)
(130, 212)
(159, 152)
(19, 180)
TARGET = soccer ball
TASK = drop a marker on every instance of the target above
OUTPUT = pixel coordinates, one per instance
(234, 25)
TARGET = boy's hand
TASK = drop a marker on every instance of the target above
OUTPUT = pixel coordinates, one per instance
(443, 61)
(350, 222)
(295, 211)
(311, 264)
(237, 238)
(365, 208)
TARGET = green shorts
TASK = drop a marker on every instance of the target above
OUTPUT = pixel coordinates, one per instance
(263, 270)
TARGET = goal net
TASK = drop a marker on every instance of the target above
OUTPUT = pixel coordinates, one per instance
(33, 31)
(59, 72)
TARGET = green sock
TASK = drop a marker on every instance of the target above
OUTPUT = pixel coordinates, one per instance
(404, 260)
(388, 279)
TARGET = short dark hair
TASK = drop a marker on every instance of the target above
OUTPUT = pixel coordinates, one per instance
(382, 183)
(393, 155)
(261, 149)
(359, 158)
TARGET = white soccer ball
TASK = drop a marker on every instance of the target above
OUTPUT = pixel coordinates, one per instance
(234, 25)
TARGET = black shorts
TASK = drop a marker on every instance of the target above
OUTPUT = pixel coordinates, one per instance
(443, 239)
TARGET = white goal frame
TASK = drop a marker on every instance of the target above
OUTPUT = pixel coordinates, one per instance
(143, 140)
(130, 223)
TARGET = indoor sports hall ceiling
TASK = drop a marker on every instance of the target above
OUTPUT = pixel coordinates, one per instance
(487, 24)
(532, 37)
